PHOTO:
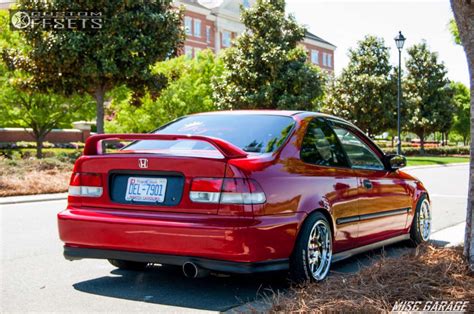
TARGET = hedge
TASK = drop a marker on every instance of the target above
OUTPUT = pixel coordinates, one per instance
(62, 154)
(8, 145)
(433, 151)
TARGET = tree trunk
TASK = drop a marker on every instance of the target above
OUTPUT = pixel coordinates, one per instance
(99, 99)
(422, 144)
(39, 147)
(464, 16)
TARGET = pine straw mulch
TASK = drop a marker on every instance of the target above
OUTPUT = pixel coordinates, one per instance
(427, 273)
(33, 176)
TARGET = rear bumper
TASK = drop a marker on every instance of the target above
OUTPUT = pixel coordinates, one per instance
(174, 238)
(75, 253)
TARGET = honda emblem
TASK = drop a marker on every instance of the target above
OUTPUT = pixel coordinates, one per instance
(143, 163)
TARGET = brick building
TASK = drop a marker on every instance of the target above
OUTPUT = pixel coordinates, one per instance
(211, 26)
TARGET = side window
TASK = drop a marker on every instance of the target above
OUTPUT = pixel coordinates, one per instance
(321, 147)
(360, 155)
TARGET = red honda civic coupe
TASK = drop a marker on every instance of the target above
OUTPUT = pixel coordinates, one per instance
(241, 192)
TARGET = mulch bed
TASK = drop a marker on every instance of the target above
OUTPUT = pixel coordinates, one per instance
(427, 273)
(33, 176)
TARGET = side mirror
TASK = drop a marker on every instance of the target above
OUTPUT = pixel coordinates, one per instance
(396, 161)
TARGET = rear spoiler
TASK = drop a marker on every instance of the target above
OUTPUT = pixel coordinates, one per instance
(94, 143)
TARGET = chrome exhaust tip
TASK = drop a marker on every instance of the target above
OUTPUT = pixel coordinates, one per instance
(191, 270)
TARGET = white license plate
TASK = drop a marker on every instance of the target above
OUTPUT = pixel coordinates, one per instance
(146, 190)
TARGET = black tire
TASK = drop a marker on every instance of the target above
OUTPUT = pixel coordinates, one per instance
(416, 233)
(128, 265)
(299, 262)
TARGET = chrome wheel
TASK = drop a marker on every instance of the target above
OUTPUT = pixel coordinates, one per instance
(320, 250)
(424, 220)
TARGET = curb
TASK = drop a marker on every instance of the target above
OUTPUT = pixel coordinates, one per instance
(32, 198)
(436, 166)
(450, 236)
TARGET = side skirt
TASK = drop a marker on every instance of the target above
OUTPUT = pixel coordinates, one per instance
(346, 254)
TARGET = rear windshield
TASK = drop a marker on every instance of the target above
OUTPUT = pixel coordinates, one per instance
(252, 133)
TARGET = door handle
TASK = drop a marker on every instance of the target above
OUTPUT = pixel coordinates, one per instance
(367, 184)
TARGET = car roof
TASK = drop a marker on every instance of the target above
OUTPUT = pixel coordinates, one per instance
(256, 111)
(288, 113)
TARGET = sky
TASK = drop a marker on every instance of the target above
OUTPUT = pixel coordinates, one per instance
(343, 23)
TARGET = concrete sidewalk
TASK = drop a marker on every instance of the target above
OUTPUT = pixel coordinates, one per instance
(450, 236)
(32, 198)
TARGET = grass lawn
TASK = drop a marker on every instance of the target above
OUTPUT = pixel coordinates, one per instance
(434, 160)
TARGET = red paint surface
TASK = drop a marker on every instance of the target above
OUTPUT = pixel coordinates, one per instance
(242, 233)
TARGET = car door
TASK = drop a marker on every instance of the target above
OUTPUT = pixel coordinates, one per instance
(328, 173)
(383, 197)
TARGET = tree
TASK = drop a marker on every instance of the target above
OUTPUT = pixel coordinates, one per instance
(464, 16)
(133, 35)
(189, 90)
(23, 106)
(41, 112)
(266, 68)
(461, 100)
(427, 95)
(364, 92)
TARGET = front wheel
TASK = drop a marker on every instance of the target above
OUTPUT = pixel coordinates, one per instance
(312, 256)
(421, 226)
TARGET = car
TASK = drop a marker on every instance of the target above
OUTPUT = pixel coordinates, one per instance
(241, 192)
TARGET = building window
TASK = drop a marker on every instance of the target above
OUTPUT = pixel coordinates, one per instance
(324, 59)
(188, 51)
(246, 4)
(188, 25)
(197, 28)
(196, 51)
(314, 56)
(226, 37)
(208, 34)
(329, 60)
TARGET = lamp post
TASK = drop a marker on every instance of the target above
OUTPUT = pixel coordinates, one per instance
(399, 41)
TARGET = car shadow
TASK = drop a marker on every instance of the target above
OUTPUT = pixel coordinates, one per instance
(168, 286)
(355, 263)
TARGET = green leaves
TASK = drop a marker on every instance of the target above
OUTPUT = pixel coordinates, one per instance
(426, 93)
(189, 90)
(365, 92)
(134, 36)
(265, 68)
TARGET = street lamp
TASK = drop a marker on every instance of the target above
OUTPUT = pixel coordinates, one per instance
(399, 41)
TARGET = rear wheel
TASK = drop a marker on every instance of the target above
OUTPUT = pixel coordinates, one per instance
(312, 256)
(421, 226)
(128, 265)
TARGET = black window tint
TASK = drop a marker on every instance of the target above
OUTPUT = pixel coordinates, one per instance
(254, 133)
(321, 147)
(360, 155)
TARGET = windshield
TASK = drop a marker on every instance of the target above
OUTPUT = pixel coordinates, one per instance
(252, 133)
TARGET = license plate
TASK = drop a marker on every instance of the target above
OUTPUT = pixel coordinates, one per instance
(146, 190)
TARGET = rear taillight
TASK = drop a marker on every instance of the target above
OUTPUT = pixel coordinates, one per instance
(226, 191)
(85, 184)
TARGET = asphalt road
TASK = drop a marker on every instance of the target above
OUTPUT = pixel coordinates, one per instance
(447, 187)
(35, 277)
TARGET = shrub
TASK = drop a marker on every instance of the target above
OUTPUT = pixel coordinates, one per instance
(62, 154)
(434, 151)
